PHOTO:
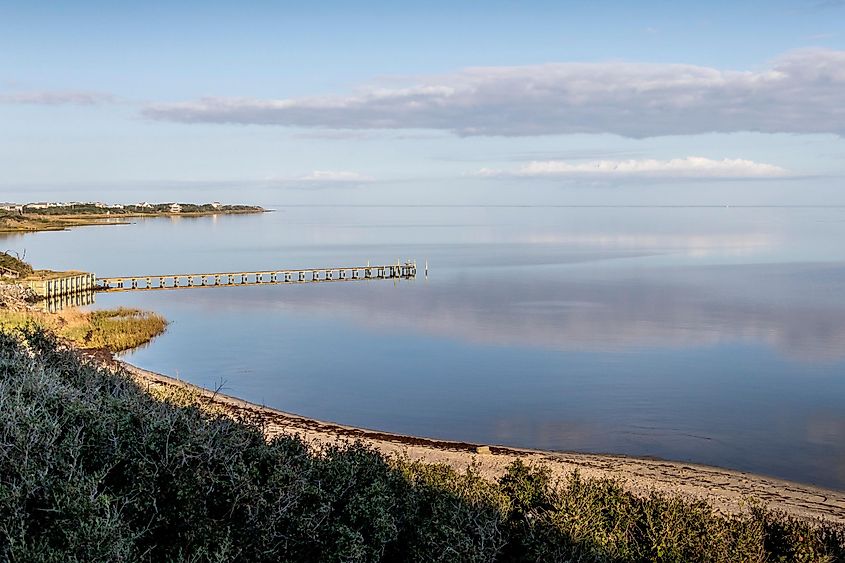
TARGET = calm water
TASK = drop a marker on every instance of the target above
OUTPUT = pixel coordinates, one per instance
(713, 335)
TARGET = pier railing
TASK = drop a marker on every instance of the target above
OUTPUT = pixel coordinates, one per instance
(242, 278)
(9, 273)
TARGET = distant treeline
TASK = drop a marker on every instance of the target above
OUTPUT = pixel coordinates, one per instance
(94, 468)
(138, 209)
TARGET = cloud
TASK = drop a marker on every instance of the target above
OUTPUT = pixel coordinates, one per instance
(688, 167)
(318, 179)
(336, 176)
(361, 135)
(57, 98)
(828, 4)
(313, 180)
(572, 154)
(801, 92)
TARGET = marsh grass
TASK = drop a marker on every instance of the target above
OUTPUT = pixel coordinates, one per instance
(12, 223)
(116, 330)
(94, 468)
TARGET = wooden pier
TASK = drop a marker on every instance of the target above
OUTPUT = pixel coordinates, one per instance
(9, 273)
(54, 284)
(404, 270)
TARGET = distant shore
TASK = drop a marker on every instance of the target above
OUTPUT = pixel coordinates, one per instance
(35, 222)
(725, 489)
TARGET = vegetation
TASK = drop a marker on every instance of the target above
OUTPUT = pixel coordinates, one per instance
(15, 264)
(15, 223)
(132, 210)
(116, 329)
(66, 216)
(93, 468)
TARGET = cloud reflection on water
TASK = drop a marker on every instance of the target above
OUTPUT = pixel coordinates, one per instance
(561, 312)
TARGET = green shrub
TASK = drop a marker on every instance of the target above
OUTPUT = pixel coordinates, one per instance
(93, 468)
(450, 516)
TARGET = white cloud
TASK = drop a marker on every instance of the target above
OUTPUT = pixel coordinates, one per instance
(801, 92)
(336, 176)
(319, 179)
(687, 167)
(56, 98)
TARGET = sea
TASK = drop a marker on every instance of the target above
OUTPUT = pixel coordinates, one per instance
(712, 335)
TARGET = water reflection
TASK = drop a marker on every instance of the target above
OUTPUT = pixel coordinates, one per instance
(57, 303)
(558, 310)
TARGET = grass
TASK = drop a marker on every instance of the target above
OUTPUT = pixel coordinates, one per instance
(116, 330)
(94, 468)
(14, 223)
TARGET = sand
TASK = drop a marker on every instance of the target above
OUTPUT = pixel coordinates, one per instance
(727, 490)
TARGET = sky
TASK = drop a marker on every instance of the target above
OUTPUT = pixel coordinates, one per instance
(424, 103)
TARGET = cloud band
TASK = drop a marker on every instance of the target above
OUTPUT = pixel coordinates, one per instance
(801, 92)
(688, 167)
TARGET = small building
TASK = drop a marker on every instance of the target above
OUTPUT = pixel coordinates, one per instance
(216, 205)
(11, 207)
(175, 208)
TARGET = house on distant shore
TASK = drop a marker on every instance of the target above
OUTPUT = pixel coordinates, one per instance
(144, 205)
(14, 207)
(216, 205)
(175, 208)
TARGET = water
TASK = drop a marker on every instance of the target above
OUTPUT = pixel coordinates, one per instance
(711, 335)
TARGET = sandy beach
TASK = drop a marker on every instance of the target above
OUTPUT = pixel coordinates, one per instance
(725, 489)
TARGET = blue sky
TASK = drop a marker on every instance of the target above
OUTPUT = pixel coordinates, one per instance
(439, 102)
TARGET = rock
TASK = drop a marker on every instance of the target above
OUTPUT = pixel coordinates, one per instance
(16, 297)
(483, 450)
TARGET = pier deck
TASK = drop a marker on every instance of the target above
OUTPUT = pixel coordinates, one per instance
(404, 270)
(48, 284)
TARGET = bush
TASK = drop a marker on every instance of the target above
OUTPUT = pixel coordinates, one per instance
(93, 468)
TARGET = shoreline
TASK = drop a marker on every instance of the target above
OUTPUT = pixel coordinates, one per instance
(34, 223)
(725, 489)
